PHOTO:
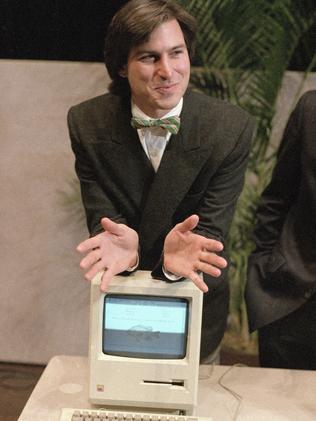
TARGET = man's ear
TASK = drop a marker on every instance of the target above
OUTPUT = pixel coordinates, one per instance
(123, 71)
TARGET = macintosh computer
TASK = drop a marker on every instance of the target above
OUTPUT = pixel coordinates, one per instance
(143, 352)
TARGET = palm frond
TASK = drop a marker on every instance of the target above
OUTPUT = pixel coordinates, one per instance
(244, 48)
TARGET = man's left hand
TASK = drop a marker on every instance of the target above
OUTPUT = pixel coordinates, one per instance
(187, 253)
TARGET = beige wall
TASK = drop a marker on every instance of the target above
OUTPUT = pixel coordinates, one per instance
(44, 300)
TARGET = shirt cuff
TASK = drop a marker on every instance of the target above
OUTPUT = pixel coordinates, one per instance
(170, 276)
(132, 269)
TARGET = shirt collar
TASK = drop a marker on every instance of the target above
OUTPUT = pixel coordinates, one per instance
(137, 112)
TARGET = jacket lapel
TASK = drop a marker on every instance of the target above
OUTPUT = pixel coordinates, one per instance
(124, 153)
(181, 162)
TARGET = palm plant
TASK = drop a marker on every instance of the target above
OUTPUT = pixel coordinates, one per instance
(243, 50)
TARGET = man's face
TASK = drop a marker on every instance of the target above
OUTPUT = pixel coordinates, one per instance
(158, 71)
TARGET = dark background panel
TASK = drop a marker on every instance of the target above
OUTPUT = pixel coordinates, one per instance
(55, 29)
(75, 30)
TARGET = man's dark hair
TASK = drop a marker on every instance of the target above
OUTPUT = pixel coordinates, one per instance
(132, 25)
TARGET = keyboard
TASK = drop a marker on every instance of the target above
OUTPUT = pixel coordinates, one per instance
(73, 414)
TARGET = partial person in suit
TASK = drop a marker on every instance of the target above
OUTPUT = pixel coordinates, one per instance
(159, 198)
(281, 286)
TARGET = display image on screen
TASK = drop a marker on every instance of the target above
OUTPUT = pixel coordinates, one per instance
(145, 326)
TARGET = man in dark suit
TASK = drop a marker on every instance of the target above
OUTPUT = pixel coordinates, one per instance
(280, 292)
(158, 198)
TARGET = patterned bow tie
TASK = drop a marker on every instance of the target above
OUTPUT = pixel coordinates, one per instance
(172, 124)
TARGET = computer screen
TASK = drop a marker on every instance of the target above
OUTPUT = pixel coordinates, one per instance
(145, 326)
(145, 343)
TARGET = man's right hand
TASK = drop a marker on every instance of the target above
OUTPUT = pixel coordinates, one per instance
(114, 251)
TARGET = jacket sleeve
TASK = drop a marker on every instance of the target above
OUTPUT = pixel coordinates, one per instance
(268, 262)
(217, 208)
(218, 202)
(96, 202)
(282, 190)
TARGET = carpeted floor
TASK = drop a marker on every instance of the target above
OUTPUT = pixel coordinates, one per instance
(16, 384)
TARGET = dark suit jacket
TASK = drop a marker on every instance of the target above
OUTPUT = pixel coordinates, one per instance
(202, 172)
(282, 270)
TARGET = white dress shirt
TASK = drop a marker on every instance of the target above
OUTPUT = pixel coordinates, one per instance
(154, 139)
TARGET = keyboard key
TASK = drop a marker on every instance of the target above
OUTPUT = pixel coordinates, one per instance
(71, 414)
(76, 416)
